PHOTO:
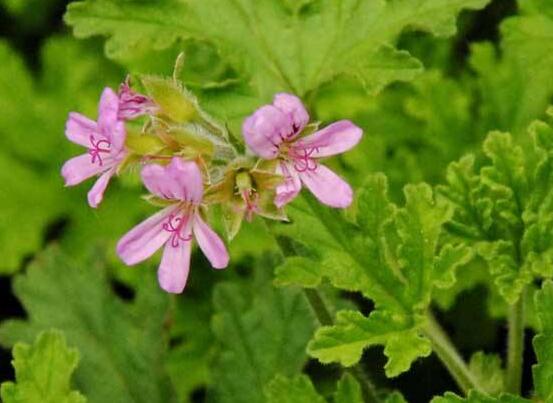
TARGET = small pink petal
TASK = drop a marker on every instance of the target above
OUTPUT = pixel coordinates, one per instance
(292, 106)
(109, 124)
(174, 267)
(210, 243)
(79, 128)
(96, 193)
(334, 139)
(189, 177)
(289, 189)
(108, 108)
(145, 239)
(180, 180)
(328, 187)
(80, 168)
(157, 181)
(265, 130)
(117, 135)
(132, 104)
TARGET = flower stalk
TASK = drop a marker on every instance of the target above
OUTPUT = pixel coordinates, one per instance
(515, 346)
(449, 356)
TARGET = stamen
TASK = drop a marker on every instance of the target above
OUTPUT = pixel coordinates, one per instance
(175, 226)
(251, 198)
(96, 150)
(303, 161)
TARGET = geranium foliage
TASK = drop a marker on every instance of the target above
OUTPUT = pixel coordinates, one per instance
(346, 201)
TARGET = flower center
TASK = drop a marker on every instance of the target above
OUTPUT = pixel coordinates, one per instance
(251, 198)
(302, 159)
(175, 225)
(98, 147)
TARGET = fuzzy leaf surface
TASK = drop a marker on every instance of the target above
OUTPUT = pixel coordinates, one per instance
(43, 372)
(273, 45)
(121, 344)
(389, 254)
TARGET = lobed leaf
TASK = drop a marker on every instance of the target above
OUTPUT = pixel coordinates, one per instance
(43, 372)
(390, 255)
(276, 46)
(122, 353)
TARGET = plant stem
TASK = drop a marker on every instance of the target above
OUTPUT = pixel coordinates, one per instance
(515, 347)
(450, 357)
(325, 318)
(318, 306)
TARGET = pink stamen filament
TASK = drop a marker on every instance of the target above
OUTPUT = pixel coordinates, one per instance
(251, 198)
(303, 161)
(96, 150)
(175, 225)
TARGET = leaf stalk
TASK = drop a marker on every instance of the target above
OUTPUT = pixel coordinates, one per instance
(515, 346)
(450, 357)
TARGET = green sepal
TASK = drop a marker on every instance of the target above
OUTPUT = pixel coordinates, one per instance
(174, 101)
(143, 144)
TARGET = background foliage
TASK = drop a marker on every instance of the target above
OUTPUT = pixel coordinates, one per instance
(427, 80)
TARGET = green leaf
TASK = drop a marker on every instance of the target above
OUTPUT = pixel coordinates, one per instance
(504, 210)
(262, 331)
(390, 255)
(395, 397)
(43, 372)
(271, 47)
(348, 391)
(486, 368)
(298, 270)
(122, 345)
(477, 397)
(528, 39)
(543, 343)
(295, 390)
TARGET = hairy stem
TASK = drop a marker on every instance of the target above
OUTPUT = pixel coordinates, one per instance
(450, 357)
(325, 318)
(515, 347)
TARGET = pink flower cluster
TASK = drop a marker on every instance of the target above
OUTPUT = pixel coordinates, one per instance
(273, 133)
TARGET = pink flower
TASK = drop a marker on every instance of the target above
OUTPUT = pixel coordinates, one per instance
(132, 104)
(105, 141)
(181, 184)
(272, 132)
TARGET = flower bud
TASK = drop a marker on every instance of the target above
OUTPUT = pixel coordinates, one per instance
(173, 100)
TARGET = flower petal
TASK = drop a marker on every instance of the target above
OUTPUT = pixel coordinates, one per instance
(210, 243)
(174, 267)
(80, 168)
(96, 193)
(334, 139)
(145, 239)
(132, 104)
(292, 106)
(189, 177)
(328, 187)
(289, 189)
(108, 108)
(266, 129)
(180, 180)
(79, 128)
(109, 124)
